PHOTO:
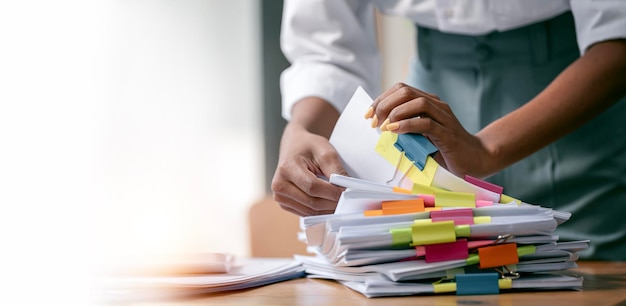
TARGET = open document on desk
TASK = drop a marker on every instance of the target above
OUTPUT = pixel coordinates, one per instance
(239, 274)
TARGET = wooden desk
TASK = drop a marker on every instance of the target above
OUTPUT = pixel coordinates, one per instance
(604, 284)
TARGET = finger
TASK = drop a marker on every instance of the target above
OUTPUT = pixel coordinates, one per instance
(419, 125)
(399, 97)
(422, 107)
(329, 162)
(296, 208)
(298, 183)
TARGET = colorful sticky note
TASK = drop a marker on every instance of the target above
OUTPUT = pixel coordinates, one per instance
(483, 184)
(425, 233)
(401, 237)
(454, 199)
(498, 255)
(458, 216)
(446, 251)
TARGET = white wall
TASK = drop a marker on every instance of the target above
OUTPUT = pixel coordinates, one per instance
(126, 126)
(183, 144)
(397, 45)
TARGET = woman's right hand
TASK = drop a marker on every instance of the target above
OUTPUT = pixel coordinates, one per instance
(306, 159)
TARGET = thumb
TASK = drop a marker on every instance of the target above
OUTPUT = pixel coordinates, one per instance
(331, 163)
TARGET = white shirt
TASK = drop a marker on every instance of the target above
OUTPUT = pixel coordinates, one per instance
(332, 44)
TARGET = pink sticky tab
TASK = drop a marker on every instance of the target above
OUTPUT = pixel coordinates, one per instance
(429, 200)
(486, 185)
(459, 216)
(483, 203)
(446, 251)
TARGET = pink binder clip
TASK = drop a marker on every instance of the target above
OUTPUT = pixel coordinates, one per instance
(446, 251)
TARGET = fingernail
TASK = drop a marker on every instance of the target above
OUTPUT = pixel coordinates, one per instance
(383, 127)
(393, 126)
(369, 113)
(374, 121)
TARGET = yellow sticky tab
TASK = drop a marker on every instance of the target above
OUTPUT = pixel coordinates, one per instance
(433, 232)
(482, 219)
(386, 149)
(505, 283)
(454, 199)
(505, 199)
(422, 221)
(430, 168)
(431, 208)
(422, 189)
(444, 287)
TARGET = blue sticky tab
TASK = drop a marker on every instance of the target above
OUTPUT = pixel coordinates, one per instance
(416, 147)
(474, 284)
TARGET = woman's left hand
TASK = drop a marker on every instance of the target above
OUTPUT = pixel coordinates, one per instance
(404, 109)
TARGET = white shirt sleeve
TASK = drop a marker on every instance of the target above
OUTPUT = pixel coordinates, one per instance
(332, 48)
(598, 20)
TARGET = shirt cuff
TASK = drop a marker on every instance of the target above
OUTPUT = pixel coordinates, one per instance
(324, 81)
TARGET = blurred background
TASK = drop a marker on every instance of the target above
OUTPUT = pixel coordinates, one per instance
(140, 126)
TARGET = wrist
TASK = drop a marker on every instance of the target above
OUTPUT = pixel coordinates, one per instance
(315, 115)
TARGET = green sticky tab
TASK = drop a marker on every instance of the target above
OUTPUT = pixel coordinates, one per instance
(526, 250)
(433, 233)
(472, 259)
(452, 273)
(462, 230)
(454, 199)
(401, 237)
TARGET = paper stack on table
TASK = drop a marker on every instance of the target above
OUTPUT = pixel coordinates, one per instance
(404, 225)
(205, 273)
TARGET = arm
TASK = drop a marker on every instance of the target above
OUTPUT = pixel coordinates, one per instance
(586, 88)
(305, 154)
(331, 45)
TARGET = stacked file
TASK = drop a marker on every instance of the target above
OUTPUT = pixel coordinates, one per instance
(405, 248)
(405, 225)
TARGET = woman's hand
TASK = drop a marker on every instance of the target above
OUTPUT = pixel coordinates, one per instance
(404, 109)
(305, 156)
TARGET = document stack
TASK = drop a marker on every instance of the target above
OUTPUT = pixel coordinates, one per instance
(406, 226)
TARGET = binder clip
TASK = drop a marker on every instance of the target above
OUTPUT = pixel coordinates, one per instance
(475, 284)
(416, 147)
(498, 255)
(446, 251)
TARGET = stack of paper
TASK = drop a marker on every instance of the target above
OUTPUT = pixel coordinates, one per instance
(242, 274)
(404, 225)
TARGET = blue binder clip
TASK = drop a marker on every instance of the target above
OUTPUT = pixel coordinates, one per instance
(416, 148)
(475, 284)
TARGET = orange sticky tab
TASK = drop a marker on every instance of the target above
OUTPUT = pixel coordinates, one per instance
(374, 212)
(403, 203)
(401, 190)
(432, 208)
(401, 210)
(402, 207)
(498, 255)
